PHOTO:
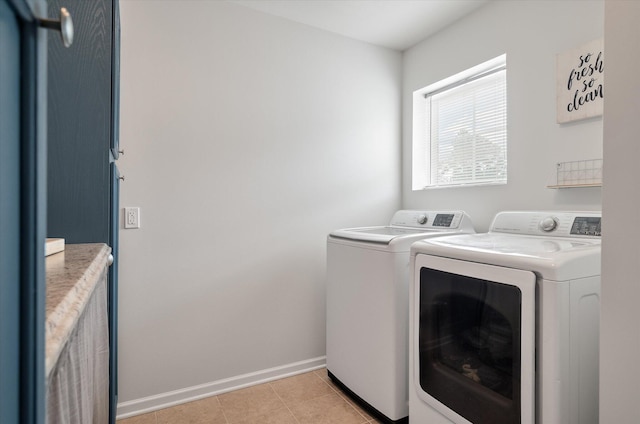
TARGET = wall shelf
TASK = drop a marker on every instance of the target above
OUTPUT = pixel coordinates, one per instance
(574, 186)
(577, 174)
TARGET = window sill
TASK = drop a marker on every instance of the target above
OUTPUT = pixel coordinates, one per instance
(440, 187)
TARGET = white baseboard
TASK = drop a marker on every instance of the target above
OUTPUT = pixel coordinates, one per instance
(176, 397)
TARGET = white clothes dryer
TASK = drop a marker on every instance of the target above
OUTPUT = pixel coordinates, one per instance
(505, 325)
(368, 306)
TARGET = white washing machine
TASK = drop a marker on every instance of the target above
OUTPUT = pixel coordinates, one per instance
(505, 325)
(368, 306)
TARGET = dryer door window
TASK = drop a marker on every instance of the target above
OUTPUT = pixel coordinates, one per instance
(470, 346)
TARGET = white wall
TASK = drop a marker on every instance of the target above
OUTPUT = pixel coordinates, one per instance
(247, 139)
(531, 33)
(620, 335)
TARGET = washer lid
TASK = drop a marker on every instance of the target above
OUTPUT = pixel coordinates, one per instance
(384, 234)
(553, 258)
(410, 225)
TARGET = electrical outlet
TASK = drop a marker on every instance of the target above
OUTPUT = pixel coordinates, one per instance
(131, 217)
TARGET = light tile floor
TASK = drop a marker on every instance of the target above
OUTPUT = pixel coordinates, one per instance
(309, 398)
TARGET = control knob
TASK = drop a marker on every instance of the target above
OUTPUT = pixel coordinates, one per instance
(548, 224)
(422, 219)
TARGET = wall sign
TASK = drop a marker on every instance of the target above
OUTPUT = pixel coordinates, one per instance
(580, 82)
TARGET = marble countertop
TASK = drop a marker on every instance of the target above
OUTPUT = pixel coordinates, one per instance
(72, 276)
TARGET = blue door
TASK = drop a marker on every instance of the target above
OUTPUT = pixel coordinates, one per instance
(9, 214)
(22, 213)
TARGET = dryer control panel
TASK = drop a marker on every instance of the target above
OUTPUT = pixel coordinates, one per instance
(551, 223)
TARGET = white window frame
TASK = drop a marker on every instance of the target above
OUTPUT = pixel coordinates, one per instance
(421, 157)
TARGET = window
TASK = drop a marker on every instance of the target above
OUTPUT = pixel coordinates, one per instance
(460, 129)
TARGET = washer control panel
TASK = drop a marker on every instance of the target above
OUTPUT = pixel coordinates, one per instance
(587, 226)
(557, 224)
(429, 219)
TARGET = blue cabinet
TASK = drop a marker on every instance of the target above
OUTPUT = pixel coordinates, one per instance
(83, 109)
(80, 124)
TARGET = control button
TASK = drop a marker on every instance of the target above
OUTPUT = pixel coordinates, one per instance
(422, 219)
(548, 224)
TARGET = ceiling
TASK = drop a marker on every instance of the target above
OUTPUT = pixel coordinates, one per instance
(395, 24)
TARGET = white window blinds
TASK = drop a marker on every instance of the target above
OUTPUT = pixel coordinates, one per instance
(467, 126)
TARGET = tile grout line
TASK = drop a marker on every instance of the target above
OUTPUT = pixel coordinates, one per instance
(335, 392)
(284, 403)
(342, 395)
(226, 420)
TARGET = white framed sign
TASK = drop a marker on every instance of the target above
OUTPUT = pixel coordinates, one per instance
(580, 82)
